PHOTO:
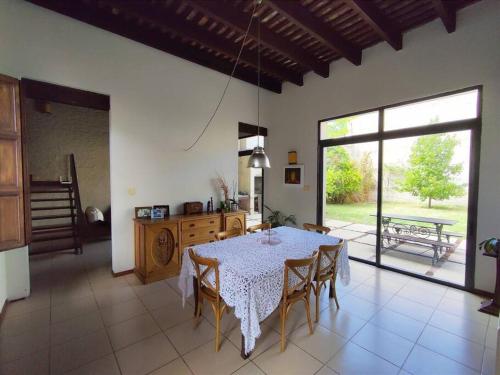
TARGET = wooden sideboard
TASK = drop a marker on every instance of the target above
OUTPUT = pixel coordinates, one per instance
(159, 243)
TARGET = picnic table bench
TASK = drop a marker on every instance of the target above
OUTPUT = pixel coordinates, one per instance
(419, 234)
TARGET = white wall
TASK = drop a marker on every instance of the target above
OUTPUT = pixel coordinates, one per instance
(3, 281)
(159, 104)
(432, 61)
(14, 275)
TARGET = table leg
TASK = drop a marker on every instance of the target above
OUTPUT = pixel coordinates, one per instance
(195, 291)
(439, 231)
(243, 354)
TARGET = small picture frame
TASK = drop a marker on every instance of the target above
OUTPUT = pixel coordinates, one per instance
(294, 175)
(143, 212)
(156, 213)
(292, 157)
(165, 209)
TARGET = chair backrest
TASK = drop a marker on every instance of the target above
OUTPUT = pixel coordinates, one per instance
(327, 259)
(255, 228)
(203, 268)
(316, 228)
(235, 232)
(302, 269)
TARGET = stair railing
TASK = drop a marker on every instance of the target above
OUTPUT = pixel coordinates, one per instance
(78, 204)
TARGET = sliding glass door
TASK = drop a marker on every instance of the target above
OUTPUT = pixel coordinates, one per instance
(400, 184)
(350, 200)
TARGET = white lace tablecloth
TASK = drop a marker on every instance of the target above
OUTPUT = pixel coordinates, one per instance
(251, 273)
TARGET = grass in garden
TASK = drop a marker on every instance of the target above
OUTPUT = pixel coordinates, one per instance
(360, 212)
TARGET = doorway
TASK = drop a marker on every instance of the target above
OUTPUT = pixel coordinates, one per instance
(400, 184)
(250, 180)
(66, 166)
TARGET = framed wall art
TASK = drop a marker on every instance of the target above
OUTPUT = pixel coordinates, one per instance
(294, 175)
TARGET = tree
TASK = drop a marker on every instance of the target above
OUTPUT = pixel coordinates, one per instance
(343, 178)
(431, 175)
(367, 171)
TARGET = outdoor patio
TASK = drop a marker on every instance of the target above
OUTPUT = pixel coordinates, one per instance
(405, 256)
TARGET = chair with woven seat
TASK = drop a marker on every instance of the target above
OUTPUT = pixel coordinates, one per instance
(206, 290)
(326, 270)
(296, 287)
(316, 228)
(228, 234)
(262, 227)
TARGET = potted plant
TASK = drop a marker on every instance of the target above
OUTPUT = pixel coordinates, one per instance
(491, 248)
(278, 219)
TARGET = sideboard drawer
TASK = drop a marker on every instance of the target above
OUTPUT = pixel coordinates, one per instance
(201, 223)
(197, 233)
(189, 243)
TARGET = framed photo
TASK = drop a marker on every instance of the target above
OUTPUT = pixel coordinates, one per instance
(143, 212)
(157, 213)
(165, 209)
(294, 175)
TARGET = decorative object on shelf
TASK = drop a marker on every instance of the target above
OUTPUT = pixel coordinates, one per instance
(234, 206)
(156, 213)
(193, 208)
(143, 212)
(292, 157)
(491, 248)
(165, 209)
(210, 206)
(258, 159)
(223, 186)
(294, 175)
(278, 219)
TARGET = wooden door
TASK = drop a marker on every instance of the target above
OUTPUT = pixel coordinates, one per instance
(11, 169)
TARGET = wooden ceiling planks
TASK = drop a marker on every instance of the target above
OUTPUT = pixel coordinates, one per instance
(297, 36)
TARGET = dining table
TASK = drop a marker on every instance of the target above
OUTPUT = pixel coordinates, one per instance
(251, 271)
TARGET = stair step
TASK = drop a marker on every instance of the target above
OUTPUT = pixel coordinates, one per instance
(51, 208)
(52, 199)
(46, 217)
(52, 238)
(46, 228)
(45, 182)
(46, 247)
(49, 191)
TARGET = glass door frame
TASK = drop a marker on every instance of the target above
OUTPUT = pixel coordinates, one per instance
(474, 125)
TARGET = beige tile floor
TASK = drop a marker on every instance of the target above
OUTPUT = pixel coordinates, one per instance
(81, 320)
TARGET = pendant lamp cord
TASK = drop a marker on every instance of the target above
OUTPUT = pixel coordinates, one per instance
(258, 80)
(209, 122)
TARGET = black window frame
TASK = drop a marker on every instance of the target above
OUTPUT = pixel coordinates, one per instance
(475, 127)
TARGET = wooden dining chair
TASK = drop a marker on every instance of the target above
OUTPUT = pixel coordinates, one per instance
(296, 287)
(326, 270)
(316, 228)
(262, 227)
(208, 291)
(228, 234)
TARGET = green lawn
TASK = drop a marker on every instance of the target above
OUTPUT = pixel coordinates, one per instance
(360, 212)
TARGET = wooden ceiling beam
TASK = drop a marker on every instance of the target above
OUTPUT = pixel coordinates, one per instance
(380, 24)
(301, 16)
(227, 14)
(190, 30)
(447, 13)
(90, 13)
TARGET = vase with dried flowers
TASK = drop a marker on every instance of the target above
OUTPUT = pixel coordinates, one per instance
(222, 184)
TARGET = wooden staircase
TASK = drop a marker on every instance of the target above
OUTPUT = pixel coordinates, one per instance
(56, 215)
